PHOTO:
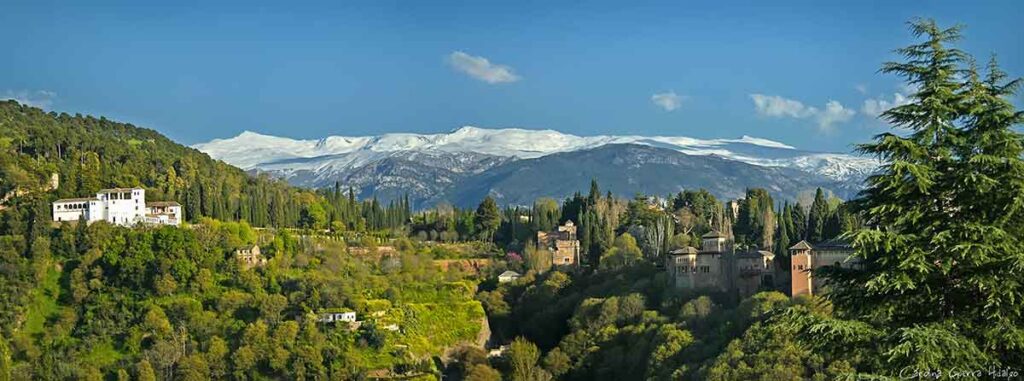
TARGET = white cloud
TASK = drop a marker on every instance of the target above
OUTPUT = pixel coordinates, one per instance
(776, 106)
(669, 101)
(834, 113)
(874, 107)
(779, 107)
(861, 88)
(481, 68)
(38, 98)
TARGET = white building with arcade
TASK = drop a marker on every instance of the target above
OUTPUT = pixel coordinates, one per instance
(119, 206)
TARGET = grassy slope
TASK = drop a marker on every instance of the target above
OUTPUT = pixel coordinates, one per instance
(43, 302)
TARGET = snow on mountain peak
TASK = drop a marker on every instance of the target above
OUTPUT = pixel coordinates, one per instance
(254, 150)
(763, 142)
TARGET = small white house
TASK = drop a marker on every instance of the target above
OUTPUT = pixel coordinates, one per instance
(508, 276)
(163, 213)
(337, 317)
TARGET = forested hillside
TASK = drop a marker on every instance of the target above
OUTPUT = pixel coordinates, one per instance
(103, 302)
(932, 284)
(90, 154)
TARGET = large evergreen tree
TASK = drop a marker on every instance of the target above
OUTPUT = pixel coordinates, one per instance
(818, 217)
(487, 218)
(799, 219)
(939, 280)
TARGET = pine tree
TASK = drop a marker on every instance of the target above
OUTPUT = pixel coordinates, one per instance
(488, 218)
(938, 285)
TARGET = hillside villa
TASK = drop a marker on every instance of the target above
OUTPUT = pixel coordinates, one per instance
(562, 244)
(118, 206)
(250, 256)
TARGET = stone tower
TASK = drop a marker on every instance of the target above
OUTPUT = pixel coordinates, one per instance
(800, 273)
(712, 265)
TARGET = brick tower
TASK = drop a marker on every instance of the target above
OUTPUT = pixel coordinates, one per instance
(800, 273)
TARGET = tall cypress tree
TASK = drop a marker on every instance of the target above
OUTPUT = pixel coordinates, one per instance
(595, 193)
(782, 240)
(818, 217)
(799, 220)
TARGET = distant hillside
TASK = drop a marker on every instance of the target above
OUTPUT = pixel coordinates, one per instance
(424, 175)
(90, 154)
(626, 169)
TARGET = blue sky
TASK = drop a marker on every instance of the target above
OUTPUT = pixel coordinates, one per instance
(798, 72)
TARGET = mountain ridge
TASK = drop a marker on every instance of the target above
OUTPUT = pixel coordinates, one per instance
(434, 166)
(627, 169)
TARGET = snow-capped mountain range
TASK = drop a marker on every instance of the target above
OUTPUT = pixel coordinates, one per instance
(447, 158)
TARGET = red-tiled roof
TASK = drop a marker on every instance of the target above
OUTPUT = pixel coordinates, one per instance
(802, 245)
(713, 234)
(112, 190)
(163, 203)
(77, 199)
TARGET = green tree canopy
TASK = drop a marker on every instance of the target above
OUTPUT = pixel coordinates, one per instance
(939, 281)
(488, 217)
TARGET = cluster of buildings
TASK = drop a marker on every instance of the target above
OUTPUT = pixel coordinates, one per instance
(118, 206)
(250, 256)
(562, 244)
(719, 267)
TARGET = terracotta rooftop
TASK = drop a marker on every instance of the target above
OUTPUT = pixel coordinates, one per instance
(834, 244)
(756, 254)
(802, 245)
(163, 203)
(112, 190)
(77, 199)
(510, 273)
(685, 250)
(713, 234)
